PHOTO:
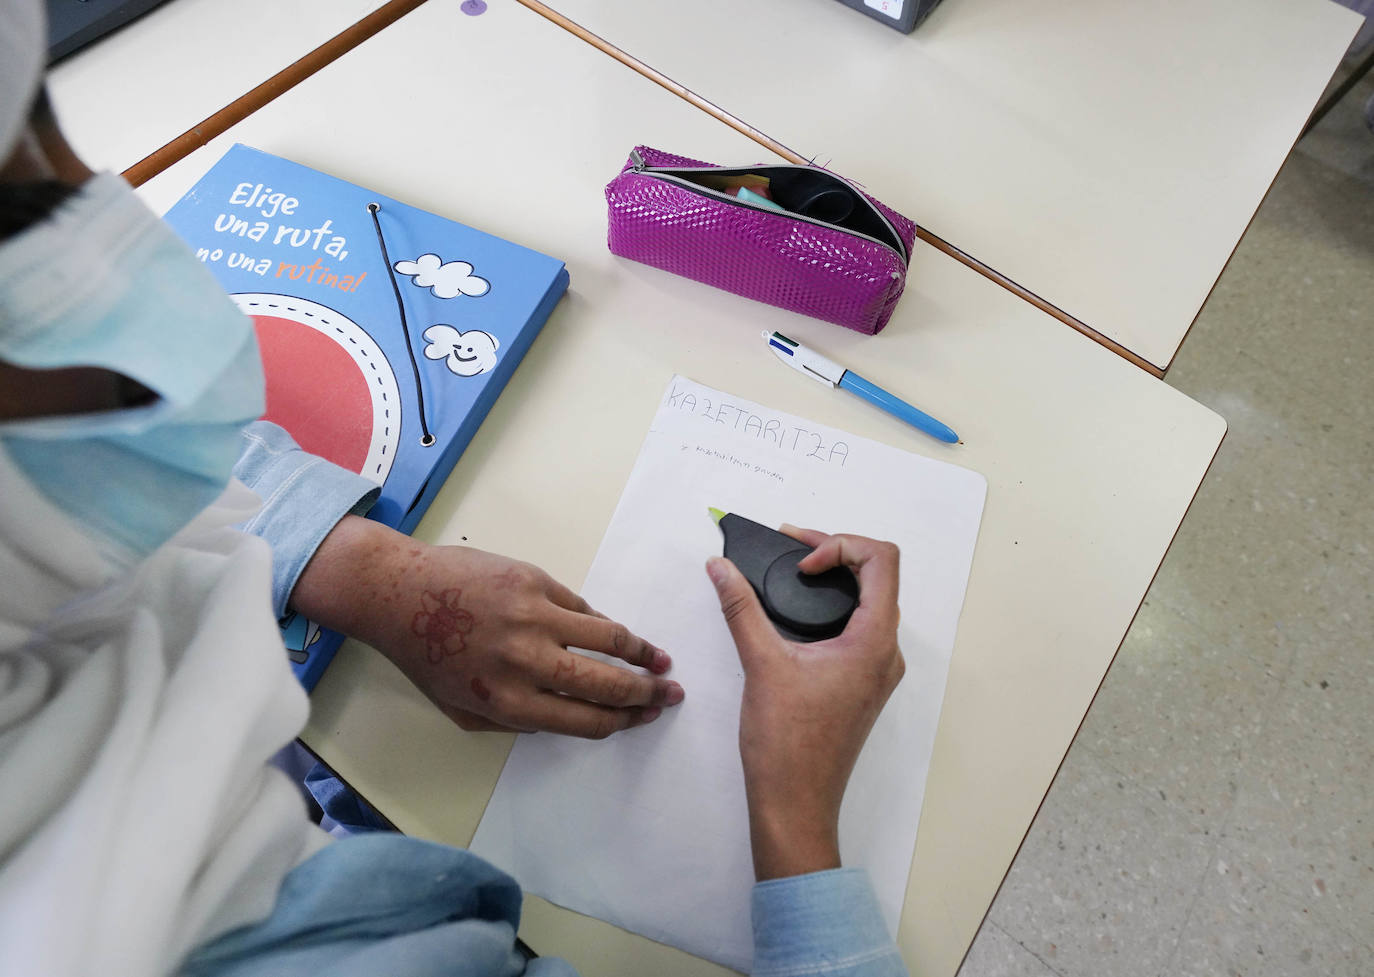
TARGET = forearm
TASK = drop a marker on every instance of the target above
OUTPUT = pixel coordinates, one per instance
(357, 570)
(787, 841)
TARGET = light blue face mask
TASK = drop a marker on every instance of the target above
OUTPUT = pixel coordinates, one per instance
(105, 283)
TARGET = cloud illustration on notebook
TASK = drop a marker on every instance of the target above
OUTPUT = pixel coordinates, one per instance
(446, 279)
(465, 353)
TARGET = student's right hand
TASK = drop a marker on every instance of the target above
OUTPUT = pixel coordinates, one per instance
(491, 641)
(808, 708)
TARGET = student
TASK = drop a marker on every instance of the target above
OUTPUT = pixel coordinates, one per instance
(143, 683)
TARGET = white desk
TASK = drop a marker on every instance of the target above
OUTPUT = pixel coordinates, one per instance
(133, 91)
(1090, 461)
(1107, 155)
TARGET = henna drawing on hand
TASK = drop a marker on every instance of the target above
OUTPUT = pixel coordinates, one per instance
(565, 666)
(442, 624)
(508, 579)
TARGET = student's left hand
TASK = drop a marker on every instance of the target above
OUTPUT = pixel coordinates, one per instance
(488, 639)
(808, 707)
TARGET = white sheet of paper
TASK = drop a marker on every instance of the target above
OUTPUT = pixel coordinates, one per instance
(648, 829)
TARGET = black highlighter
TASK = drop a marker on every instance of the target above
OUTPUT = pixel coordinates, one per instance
(802, 606)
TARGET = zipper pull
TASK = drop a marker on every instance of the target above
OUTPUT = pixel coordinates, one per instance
(637, 159)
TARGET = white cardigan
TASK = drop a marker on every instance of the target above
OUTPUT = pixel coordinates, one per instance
(138, 708)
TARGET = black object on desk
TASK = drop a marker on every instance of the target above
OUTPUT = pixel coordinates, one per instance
(902, 15)
(72, 24)
(802, 606)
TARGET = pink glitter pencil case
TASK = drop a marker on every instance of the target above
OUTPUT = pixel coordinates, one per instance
(798, 237)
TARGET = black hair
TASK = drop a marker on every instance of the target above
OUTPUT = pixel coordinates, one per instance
(24, 204)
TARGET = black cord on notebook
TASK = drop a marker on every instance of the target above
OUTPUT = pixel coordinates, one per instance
(427, 439)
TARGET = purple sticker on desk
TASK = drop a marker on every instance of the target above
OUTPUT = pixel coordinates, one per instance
(473, 7)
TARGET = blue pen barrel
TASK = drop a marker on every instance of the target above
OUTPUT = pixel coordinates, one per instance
(895, 406)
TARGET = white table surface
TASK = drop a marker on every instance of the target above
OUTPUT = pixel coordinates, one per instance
(1106, 155)
(1091, 462)
(133, 91)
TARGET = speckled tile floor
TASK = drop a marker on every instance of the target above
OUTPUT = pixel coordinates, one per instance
(1215, 815)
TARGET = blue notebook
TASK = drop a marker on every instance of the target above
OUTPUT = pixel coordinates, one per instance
(386, 332)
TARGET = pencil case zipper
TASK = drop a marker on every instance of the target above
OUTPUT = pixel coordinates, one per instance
(669, 174)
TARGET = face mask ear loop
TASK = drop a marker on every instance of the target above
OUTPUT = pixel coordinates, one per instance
(426, 439)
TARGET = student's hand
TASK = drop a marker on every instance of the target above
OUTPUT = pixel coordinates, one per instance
(486, 638)
(807, 708)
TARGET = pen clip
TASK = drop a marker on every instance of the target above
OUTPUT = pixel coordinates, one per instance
(803, 360)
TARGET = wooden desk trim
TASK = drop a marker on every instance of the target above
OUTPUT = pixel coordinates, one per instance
(283, 81)
(710, 108)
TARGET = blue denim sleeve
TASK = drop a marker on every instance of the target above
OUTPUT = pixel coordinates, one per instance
(825, 923)
(303, 498)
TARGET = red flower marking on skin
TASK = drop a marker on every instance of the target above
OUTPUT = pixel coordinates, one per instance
(506, 580)
(564, 666)
(442, 624)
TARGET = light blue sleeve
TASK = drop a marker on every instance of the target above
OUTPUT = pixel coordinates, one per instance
(382, 904)
(303, 498)
(826, 924)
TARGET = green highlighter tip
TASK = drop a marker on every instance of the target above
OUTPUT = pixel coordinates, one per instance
(716, 515)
